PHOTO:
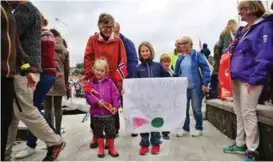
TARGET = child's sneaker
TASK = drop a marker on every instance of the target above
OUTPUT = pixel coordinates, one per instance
(235, 149)
(250, 156)
(143, 150)
(155, 149)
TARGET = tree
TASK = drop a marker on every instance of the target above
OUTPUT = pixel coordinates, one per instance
(77, 71)
(79, 65)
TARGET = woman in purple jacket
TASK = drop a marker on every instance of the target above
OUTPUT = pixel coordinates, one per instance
(252, 59)
(105, 93)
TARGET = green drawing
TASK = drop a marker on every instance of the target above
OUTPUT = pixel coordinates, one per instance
(157, 122)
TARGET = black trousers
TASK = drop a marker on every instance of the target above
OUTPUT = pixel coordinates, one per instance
(117, 123)
(105, 124)
(7, 97)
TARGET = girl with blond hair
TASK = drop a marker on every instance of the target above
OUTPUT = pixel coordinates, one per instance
(103, 119)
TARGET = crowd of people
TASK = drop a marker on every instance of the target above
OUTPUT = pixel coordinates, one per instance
(35, 69)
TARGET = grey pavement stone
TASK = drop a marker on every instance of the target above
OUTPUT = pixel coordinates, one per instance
(78, 135)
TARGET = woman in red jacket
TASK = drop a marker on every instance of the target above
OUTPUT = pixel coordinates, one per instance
(109, 46)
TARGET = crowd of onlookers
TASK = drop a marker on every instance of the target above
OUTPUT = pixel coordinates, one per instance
(35, 70)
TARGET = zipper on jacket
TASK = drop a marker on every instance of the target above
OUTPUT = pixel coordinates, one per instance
(101, 97)
(149, 72)
(9, 42)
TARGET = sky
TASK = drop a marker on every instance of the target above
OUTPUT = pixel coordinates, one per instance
(160, 22)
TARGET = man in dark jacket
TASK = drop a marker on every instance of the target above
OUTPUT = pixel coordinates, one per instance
(132, 60)
(12, 58)
(205, 50)
(28, 22)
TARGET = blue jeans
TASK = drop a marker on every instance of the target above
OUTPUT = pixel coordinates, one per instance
(42, 88)
(155, 139)
(195, 96)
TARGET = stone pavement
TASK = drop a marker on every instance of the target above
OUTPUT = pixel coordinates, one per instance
(78, 135)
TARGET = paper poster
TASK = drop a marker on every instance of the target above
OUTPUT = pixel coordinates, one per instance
(154, 104)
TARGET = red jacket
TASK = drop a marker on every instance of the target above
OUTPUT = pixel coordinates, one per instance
(113, 50)
(48, 52)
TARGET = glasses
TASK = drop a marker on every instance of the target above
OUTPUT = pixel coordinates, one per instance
(107, 27)
(183, 43)
(241, 8)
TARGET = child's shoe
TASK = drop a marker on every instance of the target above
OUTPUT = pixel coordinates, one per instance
(143, 150)
(165, 136)
(101, 153)
(111, 147)
(93, 143)
(156, 149)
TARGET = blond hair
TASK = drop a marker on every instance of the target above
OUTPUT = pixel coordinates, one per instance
(227, 30)
(147, 44)
(165, 57)
(44, 21)
(186, 38)
(101, 64)
(256, 7)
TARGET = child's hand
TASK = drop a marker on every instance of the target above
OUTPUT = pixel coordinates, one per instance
(114, 110)
(122, 92)
(100, 102)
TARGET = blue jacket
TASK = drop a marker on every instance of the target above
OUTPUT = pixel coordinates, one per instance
(198, 61)
(252, 58)
(150, 69)
(132, 60)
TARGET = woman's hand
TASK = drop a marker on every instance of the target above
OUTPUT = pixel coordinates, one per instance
(204, 88)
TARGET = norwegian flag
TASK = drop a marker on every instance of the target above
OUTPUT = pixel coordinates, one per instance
(88, 89)
(121, 72)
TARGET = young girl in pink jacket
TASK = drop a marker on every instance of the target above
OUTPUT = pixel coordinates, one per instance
(103, 97)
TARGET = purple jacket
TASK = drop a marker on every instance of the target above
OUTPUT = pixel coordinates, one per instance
(252, 58)
(108, 92)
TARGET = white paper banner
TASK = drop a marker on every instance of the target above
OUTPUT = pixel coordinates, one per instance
(154, 104)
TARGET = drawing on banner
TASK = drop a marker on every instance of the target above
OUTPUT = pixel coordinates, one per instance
(154, 104)
(138, 122)
(157, 122)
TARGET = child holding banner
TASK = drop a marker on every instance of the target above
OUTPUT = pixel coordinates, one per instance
(149, 69)
(103, 97)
